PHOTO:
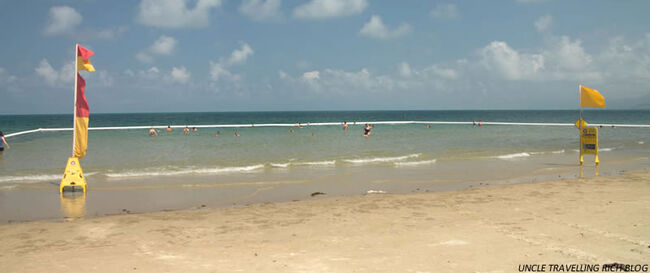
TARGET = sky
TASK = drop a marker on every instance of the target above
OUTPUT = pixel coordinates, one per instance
(289, 55)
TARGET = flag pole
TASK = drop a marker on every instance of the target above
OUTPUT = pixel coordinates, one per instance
(74, 104)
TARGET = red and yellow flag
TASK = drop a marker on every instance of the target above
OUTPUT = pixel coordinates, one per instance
(81, 105)
(83, 59)
(81, 120)
(591, 98)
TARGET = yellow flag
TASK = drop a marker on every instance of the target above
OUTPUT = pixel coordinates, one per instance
(81, 65)
(591, 98)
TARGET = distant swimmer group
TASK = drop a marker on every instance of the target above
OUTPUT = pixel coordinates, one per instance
(186, 130)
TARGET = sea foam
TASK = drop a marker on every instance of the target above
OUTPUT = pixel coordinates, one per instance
(513, 156)
(415, 163)
(315, 163)
(381, 159)
(31, 178)
(186, 171)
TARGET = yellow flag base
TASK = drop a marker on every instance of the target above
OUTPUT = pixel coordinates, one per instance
(73, 176)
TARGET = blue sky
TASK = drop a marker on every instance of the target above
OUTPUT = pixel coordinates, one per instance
(258, 55)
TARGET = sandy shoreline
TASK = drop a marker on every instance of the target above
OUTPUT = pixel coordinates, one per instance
(487, 229)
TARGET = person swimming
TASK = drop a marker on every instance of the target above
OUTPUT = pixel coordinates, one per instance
(366, 130)
(153, 132)
(291, 131)
(194, 129)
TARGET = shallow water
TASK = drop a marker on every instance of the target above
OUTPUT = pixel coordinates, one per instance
(133, 154)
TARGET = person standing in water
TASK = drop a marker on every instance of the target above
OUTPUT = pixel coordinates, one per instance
(3, 143)
(153, 132)
(345, 126)
(366, 130)
(169, 128)
(186, 130)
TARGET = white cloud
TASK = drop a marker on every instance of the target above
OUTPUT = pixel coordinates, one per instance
(164, 45)
(375, 28)
(180, 74)
(151, 74)
(239, 56)
(568, 55)
(445, 11)
(261, 10)
(62, 20)
(440, 72)
(311, 75)
(176, 13)
(544, 23)
(55, 77)
(339, 81)
(219, 71)
(502, 59)
(627, 61)
(321, 9)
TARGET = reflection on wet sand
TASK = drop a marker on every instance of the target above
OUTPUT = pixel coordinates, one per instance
(596, 171)
(73, 206)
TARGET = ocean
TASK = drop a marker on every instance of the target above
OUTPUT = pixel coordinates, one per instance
(133, 155)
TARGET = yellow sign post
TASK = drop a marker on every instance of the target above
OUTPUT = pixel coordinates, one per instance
(589, 142)
(73, 175)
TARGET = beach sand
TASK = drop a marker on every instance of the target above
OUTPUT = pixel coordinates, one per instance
(481, 229)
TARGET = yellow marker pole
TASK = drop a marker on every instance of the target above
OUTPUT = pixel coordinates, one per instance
(580, 122)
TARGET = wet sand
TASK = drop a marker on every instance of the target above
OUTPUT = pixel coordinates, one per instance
(481, 229)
